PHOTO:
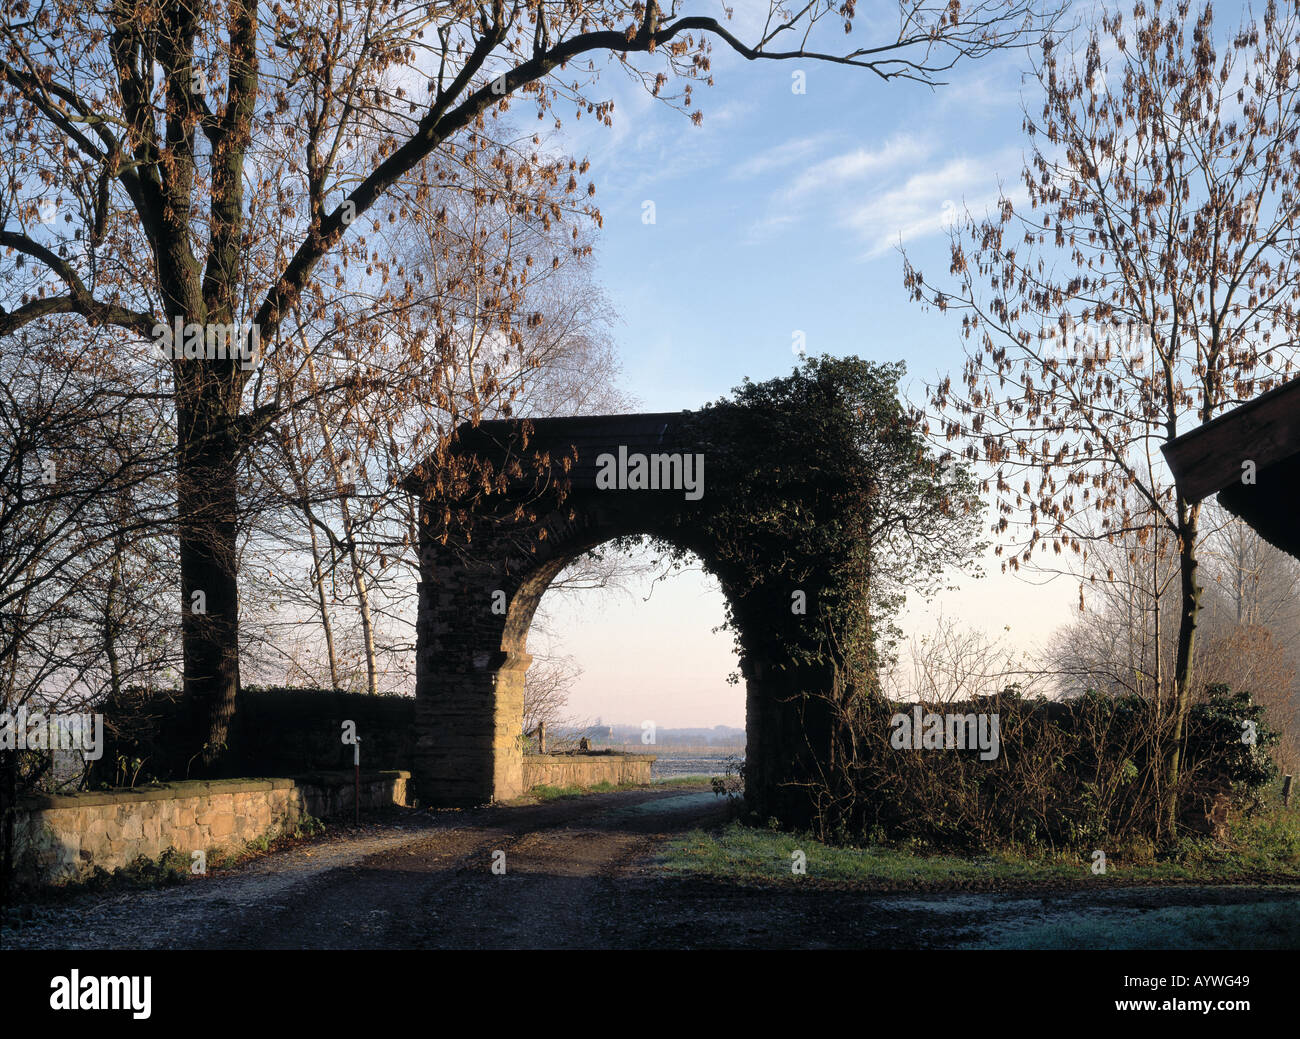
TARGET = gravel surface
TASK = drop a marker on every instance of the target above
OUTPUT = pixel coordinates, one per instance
(579, 873)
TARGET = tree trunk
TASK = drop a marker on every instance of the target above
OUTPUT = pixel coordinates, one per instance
(207, 494)
(1188, 521)
(1159, 594)
(111, 609)
(323, 603)
(344, 488)
(292, 463)
(359, 580)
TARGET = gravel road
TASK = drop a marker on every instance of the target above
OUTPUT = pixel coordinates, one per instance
(578, 873)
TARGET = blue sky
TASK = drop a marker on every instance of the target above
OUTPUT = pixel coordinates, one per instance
(780, 213)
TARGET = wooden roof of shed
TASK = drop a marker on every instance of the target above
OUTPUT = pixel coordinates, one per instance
(1266, 432)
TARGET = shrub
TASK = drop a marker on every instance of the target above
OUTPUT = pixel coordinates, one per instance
(1073, 775)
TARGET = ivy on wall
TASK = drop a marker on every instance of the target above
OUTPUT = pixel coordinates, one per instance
(824, 496)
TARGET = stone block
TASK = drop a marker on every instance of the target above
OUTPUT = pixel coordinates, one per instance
(222, 825)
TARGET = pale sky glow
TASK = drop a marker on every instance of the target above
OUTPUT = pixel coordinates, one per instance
(658, 660)
(782, 212)
(654, 659)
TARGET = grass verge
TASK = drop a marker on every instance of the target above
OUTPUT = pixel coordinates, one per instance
(1265, 849)
(553, 793)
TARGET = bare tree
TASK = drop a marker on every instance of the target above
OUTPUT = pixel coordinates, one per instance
(1150, 282)
(954, 662)
(83, 504)
(205, 161)
(1127, 626)
(546, 692)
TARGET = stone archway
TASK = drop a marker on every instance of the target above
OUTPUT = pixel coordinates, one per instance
(479, 590)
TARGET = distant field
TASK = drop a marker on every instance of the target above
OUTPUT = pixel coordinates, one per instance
(674, 760)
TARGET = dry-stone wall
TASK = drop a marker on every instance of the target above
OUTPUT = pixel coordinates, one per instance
(586, 770)
(62, 837)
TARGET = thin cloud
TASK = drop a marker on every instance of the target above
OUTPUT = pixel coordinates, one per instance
(927, 203)
(830, 175)
(782, 155)
(855, 165)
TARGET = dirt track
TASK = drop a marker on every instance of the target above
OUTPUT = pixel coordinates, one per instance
(578, 874)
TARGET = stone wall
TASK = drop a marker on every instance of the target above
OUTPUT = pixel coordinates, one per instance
(586, 770)
(62, 837)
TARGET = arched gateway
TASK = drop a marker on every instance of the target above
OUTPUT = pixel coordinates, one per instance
(604, 477)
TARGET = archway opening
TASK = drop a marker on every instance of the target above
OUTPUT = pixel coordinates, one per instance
(631, 652)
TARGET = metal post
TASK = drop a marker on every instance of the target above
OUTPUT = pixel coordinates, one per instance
(356, 796)
(1286, 791)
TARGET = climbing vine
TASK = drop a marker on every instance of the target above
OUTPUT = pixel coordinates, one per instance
(832, 506)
